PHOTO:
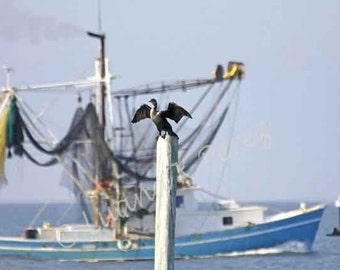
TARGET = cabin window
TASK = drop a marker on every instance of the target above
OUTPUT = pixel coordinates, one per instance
(227, 221)
(179, 201)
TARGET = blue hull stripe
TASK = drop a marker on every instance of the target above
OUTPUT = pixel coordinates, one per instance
(255, 233)
(301, 228)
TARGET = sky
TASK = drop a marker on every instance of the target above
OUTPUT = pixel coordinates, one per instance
(288, 104)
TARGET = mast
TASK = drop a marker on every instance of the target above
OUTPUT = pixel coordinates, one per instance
(100, 94)
(100, 108)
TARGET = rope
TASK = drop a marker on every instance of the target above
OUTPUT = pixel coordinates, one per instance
(58, 236)
(39, 213)
(51, 162)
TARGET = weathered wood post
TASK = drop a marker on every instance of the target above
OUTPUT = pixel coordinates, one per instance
(166, 182)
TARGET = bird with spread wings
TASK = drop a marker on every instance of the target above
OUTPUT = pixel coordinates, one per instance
(159, 118)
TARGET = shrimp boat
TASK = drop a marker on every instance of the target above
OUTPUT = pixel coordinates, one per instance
(109, 165)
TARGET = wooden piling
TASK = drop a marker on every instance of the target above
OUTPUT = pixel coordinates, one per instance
(166, 182)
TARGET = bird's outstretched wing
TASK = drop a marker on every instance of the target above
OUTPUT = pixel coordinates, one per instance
(142, 113)
(175, 112)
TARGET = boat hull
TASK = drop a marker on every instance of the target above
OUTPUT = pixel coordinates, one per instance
(300, 228)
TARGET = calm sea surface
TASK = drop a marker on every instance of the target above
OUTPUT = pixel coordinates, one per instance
(326, 254)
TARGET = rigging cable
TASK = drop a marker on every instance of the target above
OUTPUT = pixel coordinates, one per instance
(196, 132)
(207, 143)
(52, 161)
(160, 89)
(27, 111)
(120, 123)
(64, 213)
(233, 124)
(132, 135)
(193, 136)
(196, 156)
(127, 109)
(195, 106)
(39, 213)
(57, 157)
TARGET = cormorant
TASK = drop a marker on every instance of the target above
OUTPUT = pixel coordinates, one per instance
(174, 112)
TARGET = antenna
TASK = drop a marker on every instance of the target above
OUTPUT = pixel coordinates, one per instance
(99, 16)
(8, 73)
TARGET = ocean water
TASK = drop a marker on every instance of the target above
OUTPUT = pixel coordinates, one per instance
(325, 254)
